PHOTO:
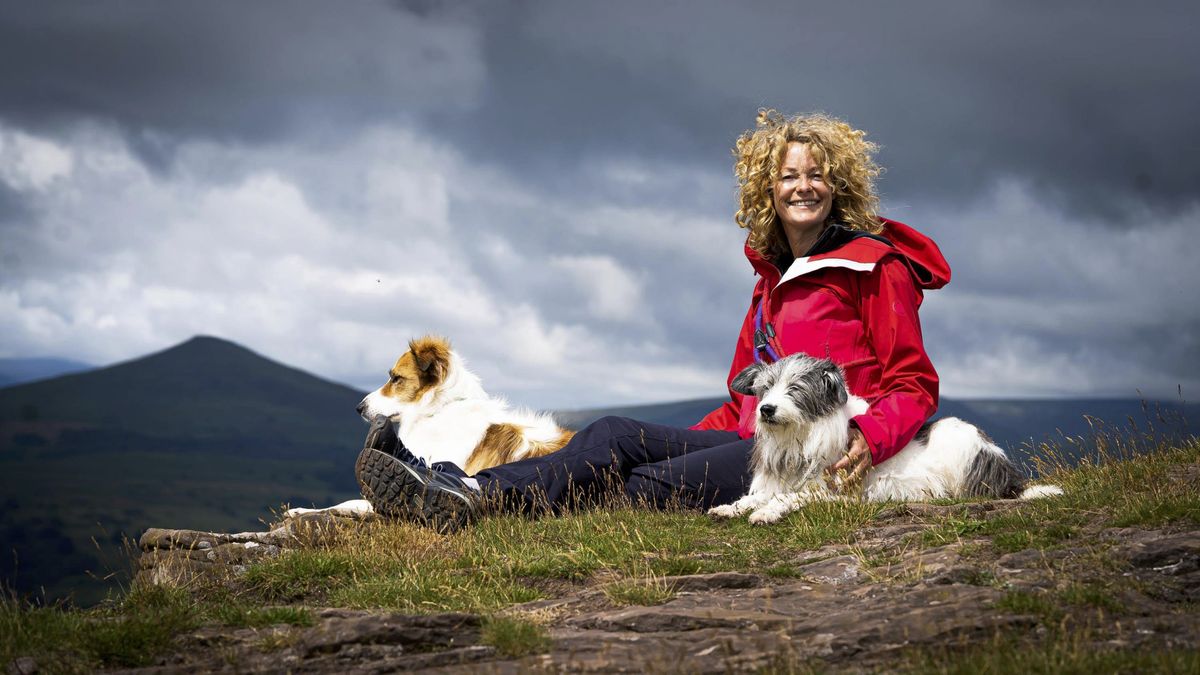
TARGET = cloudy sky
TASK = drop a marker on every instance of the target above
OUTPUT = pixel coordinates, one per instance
(550, 184)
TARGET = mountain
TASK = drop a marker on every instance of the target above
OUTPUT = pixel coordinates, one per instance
(677, 414)
(203, 389)
(16, 371)
(204, 434)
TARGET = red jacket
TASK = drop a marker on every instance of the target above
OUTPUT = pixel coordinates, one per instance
(857, 305)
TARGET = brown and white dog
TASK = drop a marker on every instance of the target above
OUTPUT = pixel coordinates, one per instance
(442, 414)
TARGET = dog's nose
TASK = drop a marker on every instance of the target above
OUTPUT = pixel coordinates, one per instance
(362, 405)
(767, 410)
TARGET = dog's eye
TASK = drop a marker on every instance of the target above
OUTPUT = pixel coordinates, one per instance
(396, 379)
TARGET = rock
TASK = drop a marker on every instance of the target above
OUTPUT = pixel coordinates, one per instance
(927, 564)
(840, 570)
(887, 532)
(418, 633)
(823, 553)
(708, 650)
(22, 666)
(768, 627)
(957, 574)
(982, 510)
(186, 565)
(665, 618)
(1129, 535)
(1170, 563)
(446, 658)
(1172, 554)
(181, 557)
(319, 529)
(696, 583)
(1021, 560)
(156, 538)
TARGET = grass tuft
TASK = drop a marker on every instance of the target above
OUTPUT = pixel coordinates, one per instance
(647, 591)
(1041, 605)
(514, 638)
(127, 635)
(300, 574)
(248, 616)
(1092, 595)
(1009, 654)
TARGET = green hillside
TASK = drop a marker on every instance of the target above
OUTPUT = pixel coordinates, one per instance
(203, 389)
(206, 434)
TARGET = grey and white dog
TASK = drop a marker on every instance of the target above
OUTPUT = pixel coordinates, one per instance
(803, 416)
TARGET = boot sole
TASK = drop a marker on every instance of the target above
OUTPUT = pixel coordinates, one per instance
(396, 490)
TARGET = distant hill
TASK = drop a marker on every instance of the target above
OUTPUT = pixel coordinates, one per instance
(204, 434)
(16, 371)
(203, 389)
(1018, 423)
(1015, 424)
(678, 414)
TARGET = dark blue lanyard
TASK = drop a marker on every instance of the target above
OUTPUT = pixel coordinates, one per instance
(762, 337)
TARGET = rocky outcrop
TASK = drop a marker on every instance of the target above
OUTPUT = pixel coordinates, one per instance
(859, 606)
(185, 557)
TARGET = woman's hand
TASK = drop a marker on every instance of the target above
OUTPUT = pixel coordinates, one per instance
(855, 464)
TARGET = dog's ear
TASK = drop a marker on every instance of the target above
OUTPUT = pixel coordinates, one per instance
(744, 382)
(432, 356)
(835, 384)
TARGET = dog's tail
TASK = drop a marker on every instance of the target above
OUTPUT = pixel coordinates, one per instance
(993, 474)
(1039, 491)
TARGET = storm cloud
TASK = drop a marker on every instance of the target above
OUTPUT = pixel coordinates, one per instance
(549, 183)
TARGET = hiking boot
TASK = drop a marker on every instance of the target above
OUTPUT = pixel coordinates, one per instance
(382, 435)
(399, 489)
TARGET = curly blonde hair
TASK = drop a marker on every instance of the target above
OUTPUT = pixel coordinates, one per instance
(845, 157)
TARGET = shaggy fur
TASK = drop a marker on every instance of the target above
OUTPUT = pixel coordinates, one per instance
(442, 414)
(803, 428)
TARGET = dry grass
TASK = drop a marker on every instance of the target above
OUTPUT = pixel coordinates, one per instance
(509, 559)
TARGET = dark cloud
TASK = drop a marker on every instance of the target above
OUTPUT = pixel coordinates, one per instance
(235, 71)
(1091, 101)
(14, 209)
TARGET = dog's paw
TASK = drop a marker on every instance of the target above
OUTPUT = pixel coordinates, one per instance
(765, 517)
(292, 513)
(724, 511)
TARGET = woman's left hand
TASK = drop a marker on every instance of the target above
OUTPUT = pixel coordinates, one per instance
(856, 462)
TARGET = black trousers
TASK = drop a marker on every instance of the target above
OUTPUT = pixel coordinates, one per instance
(652, 464)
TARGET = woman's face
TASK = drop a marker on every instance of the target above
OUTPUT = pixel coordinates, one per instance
(802, 198)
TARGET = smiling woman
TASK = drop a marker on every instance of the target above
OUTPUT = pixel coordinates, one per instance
(835, 281)
(833, 159)
(802, 198)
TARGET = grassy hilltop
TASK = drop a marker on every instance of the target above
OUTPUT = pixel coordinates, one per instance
(1102, 579)
(210, 435)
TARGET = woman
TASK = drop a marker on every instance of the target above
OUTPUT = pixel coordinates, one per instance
(835, 281)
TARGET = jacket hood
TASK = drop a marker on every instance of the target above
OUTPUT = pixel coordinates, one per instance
(925, 260)
(928, 265)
